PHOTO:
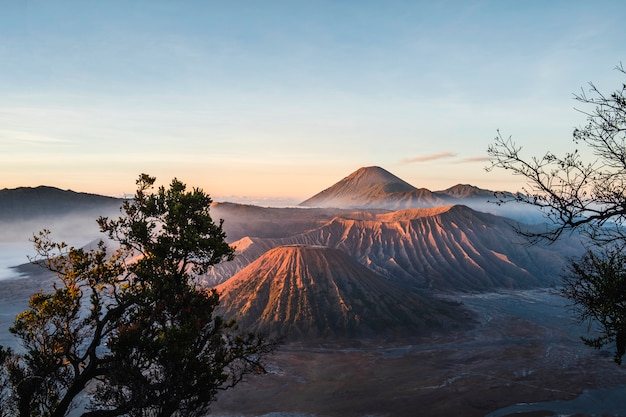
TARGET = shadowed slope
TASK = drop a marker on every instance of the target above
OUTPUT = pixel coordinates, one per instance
(318, 292)
(241, 220)
(26, 203)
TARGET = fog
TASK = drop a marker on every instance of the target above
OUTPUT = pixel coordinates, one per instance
(12, 254)
(520, 212)
(276, 202)
(16, 244)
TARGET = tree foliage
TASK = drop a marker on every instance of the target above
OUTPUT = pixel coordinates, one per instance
(130, 332)
(587, 197)
(597, 282)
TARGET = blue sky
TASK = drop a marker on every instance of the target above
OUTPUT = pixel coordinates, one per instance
(284, 98)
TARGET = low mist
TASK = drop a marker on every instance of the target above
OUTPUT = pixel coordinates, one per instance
(16, 244)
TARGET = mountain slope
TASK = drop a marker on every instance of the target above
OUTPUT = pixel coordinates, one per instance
(454, 248)
(444, 248)
(309, 292)
(373, 187)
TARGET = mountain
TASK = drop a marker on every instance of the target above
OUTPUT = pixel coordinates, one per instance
(25, 203)
(448, 248)
(302, 291)
(468, 191)
(374, 187)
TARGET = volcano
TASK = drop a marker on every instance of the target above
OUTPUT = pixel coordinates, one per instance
(375, 187)
(312, 292)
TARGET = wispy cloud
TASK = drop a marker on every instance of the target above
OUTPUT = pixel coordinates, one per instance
(426, 158)
(17, 137)
(474, 159)
(445, 155)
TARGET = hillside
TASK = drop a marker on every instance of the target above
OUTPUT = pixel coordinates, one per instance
(309, 292)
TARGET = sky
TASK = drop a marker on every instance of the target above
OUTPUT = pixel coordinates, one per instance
(253, 100)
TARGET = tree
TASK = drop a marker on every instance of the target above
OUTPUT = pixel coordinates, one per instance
(131, 331)
(597, 284)
(585, 197)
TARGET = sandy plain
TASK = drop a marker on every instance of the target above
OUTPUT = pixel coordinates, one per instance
(524, 349)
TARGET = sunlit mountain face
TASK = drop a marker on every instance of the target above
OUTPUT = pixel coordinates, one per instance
(312, 292)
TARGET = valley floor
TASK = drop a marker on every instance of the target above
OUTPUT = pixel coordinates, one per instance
(525, 348)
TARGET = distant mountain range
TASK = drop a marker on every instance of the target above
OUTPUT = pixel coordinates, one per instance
(367, 188)
(25, 203)
(375, 187)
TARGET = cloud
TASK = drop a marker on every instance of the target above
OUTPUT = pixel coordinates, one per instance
(446, 155)
(426, 158)
(474, 159)
(17, 137)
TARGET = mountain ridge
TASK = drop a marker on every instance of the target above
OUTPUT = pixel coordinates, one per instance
(445, 248)
(23, 203)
